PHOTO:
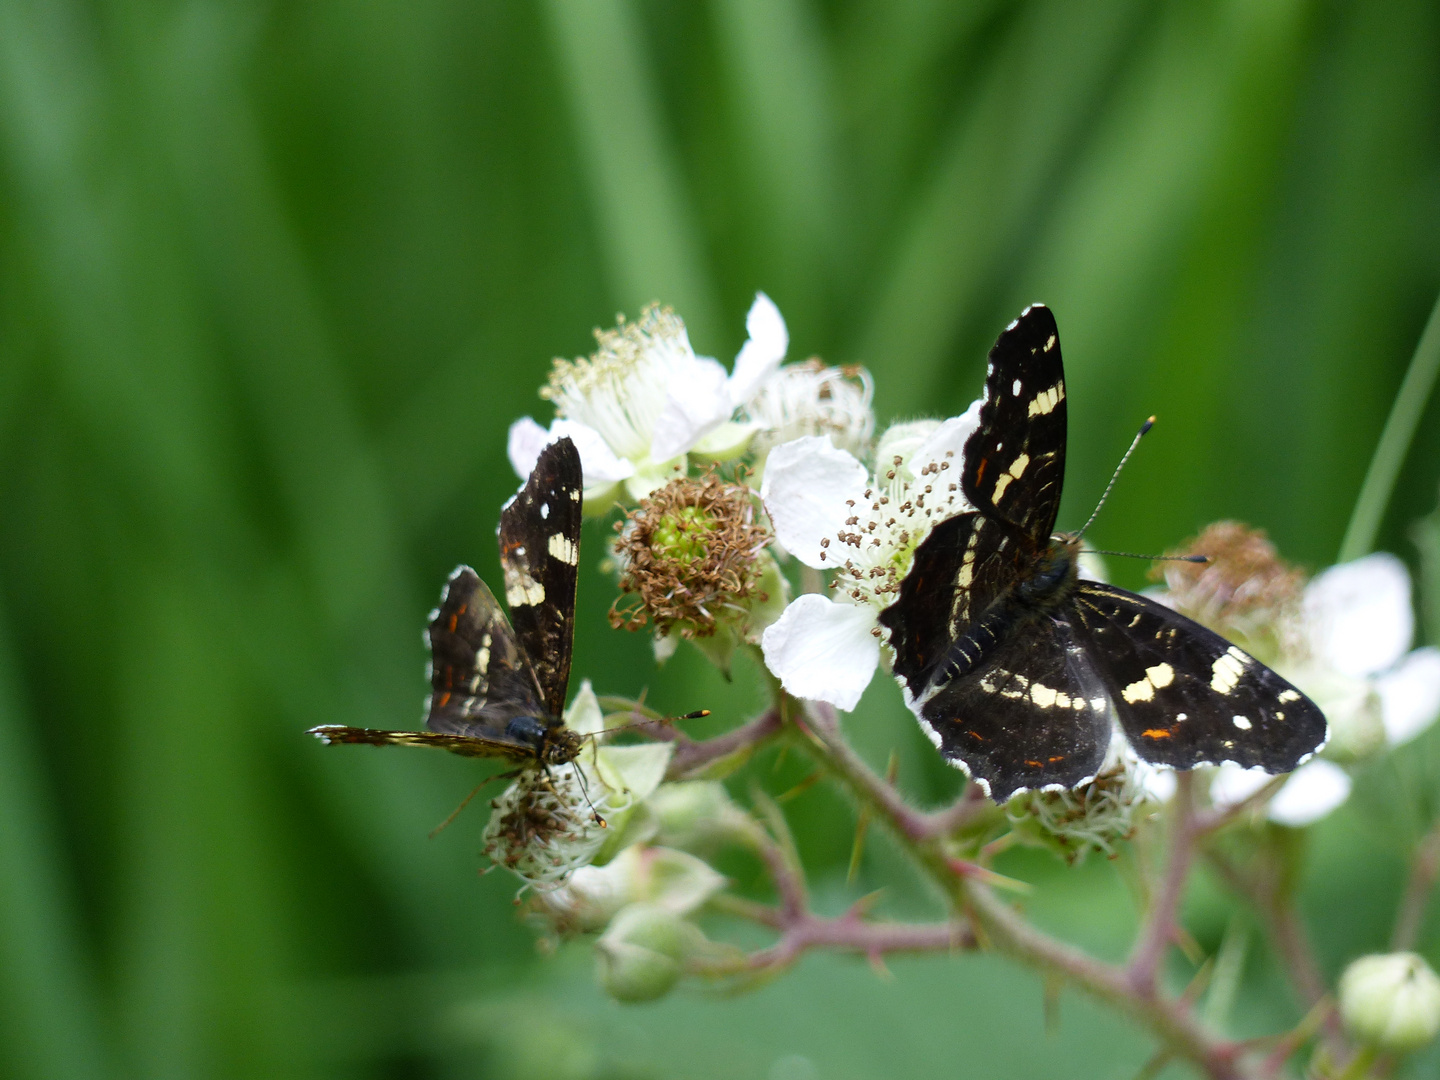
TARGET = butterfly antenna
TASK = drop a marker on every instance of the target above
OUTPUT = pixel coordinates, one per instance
(1116, 475)
(585, 794)
(645, 720)
(1153, 558)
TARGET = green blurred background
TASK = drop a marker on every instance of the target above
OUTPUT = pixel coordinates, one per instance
(276, 277)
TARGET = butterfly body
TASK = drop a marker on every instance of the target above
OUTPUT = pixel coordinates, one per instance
(497, 689)
(1020, 670)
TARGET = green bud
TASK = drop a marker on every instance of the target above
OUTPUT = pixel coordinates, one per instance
(694, 815)
(639, 957)
(1391, 1001)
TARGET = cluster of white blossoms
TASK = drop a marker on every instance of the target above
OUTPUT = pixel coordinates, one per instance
(682, 444)
(644, 401)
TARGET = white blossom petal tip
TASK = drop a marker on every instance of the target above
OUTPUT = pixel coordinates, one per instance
(524, 443)
(806, 487)
(822, 650)
(762, 352)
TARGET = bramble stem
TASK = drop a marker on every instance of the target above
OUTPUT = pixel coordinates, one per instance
(1424, 869)
(999, 926)
(1160, 925)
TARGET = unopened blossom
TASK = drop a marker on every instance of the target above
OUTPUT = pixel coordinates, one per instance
(550, 822)
(1391, 1001)
(831, 513)
(643, 400)
(674, 880)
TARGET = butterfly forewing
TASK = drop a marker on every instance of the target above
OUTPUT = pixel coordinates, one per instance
(1185, 695)
(1015, 460)
(540, 554)
(1036, 714)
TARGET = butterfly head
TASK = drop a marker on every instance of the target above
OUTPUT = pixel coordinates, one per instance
(553, 742)
(1055, 572)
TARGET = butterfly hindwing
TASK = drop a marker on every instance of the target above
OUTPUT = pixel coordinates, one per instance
(540, 554)
(1015, 460)
(479, 677)
(1185, 695)
(1035, 715)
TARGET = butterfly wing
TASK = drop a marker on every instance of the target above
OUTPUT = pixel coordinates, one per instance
(1036, 714)
(964, 564)
(1186, 696)
(1015, 460)
(332, 734)
(479, 682)
(540, 555)
(480, 678)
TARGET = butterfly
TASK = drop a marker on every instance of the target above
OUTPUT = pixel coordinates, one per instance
(1018, 670)
(498, 690)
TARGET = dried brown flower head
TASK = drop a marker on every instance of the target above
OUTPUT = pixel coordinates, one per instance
(690, 552)
(1245, 591)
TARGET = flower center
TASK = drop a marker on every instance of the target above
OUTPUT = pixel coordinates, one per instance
(874, 549)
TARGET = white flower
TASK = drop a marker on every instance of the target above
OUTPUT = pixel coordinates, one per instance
(811, 399)
(544, 827)
(830, 514)
(1356, 630)
(644, 400)
(1310, 792)
(674, 880)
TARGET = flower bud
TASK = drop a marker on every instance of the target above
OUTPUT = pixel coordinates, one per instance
(1391, 1001)
(695, 815)
(639, 957)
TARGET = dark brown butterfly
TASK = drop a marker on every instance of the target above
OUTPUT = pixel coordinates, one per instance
(498, 690)
(1020, 671)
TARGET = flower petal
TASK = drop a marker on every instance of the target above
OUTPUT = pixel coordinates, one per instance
(1233, 784)
(947, 442)
(761, 354)
(635, 769)
(697, 400)
(597, 461)
(1313, 790)
(523, 445)
(1358, 614)
(584, 716)
(807, 482)
(1410, 695)
(822, 650)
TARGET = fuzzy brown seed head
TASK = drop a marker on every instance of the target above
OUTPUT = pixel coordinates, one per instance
(1245, 590)
(690, 555)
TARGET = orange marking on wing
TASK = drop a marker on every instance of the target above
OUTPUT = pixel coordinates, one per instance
(444, 700)
(977, 735)
(1061, 757)
(454, 619)
(1156, 733)
(980, 472)
(1034, 764)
